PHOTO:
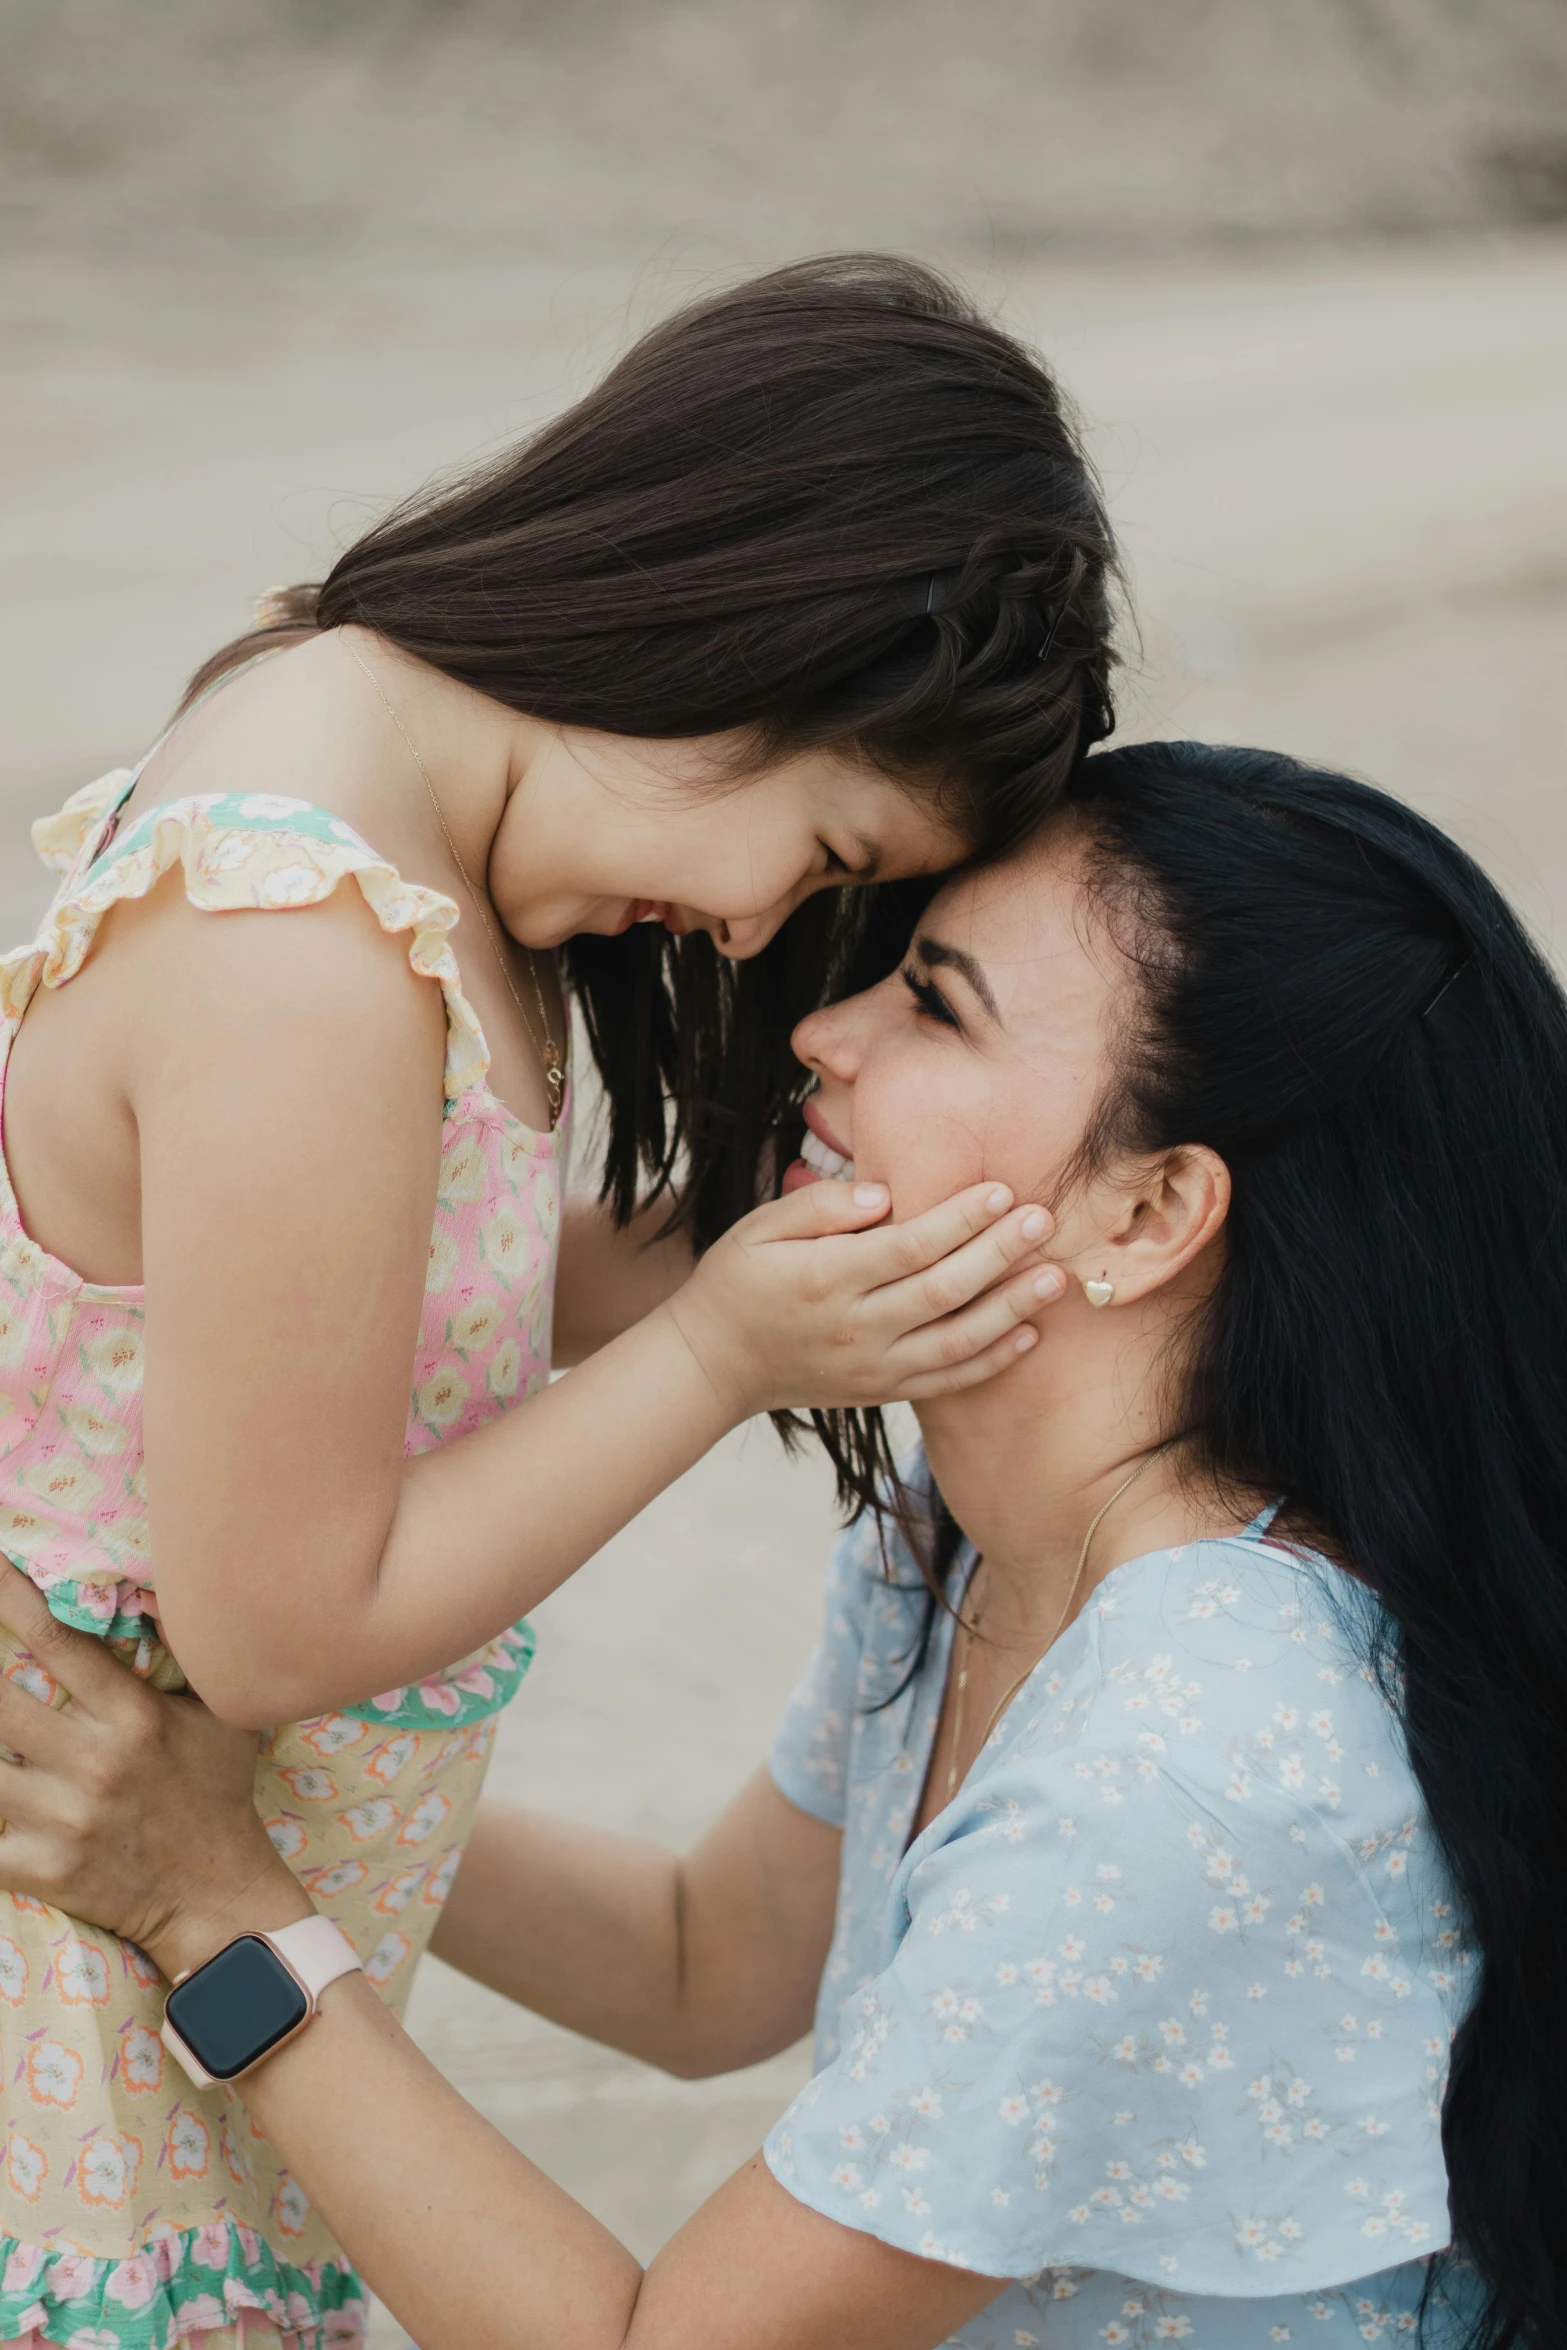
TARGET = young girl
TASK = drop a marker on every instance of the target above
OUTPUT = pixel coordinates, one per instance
(1175, 1864)
(809, 595)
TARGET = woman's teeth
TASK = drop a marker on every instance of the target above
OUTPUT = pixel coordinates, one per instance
(824, 1161)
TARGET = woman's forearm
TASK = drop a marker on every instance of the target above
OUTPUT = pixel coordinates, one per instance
(475, 2248)
(579, 1926)
(698, 1963)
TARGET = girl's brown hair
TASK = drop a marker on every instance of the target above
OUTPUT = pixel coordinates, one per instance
(833, 506)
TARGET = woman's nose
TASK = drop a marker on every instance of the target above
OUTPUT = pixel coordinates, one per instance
(825, 1042)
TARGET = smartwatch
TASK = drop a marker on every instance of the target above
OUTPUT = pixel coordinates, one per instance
(222, 2018)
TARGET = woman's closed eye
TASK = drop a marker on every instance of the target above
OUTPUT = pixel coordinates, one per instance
(932, 1003)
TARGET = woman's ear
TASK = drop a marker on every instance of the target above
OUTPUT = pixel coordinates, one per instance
(1162, 1217)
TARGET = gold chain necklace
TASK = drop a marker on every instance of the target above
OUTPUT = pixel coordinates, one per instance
(546, 1048)
(969, 1629)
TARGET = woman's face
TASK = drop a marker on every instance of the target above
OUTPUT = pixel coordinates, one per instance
(983, 1057)
(602, 832)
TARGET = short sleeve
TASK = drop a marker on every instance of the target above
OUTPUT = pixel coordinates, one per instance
(1131, 2023)
(809, 1761)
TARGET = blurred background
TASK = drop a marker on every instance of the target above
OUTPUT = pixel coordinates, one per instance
(266, 264)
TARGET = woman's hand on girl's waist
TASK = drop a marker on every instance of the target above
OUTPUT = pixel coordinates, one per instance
(128, 1808)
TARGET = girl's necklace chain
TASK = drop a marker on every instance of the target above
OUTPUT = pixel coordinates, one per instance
(545, 1046)
(968, 1629)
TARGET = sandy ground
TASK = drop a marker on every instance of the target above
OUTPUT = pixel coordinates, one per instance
(1342, 487)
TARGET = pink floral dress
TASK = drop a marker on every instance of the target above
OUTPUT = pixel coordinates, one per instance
(136, 2209)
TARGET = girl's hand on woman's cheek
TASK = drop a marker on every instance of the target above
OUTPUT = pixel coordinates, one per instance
(812, 1300)
(127, 1808)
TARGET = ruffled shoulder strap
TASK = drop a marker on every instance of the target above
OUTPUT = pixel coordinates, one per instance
(237, 850)
(61, 838)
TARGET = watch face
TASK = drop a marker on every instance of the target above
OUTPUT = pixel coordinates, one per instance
(236, 2007)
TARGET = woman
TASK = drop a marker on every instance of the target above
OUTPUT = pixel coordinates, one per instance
(1145, 1852)
(807, 598)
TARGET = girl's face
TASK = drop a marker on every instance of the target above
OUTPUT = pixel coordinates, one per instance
(601, 832)
(983, 1057)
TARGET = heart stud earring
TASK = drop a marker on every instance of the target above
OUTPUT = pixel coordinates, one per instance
(1099, 1293)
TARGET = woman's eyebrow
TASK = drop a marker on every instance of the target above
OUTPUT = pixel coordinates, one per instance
(934, 953)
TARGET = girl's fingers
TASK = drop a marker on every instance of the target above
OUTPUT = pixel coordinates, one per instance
(998, 1315)
(895, 1252)
(818, 1209)
(999, 1355)
(968, 1271)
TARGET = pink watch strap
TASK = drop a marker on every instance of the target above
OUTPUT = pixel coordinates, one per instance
(315, 1951)
(315, 1954)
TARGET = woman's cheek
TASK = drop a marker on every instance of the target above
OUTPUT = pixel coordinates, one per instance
(927, 1158)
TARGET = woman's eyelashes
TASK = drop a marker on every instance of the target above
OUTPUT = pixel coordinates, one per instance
(932, 1003)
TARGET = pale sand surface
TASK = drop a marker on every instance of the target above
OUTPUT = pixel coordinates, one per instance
(1341, 484)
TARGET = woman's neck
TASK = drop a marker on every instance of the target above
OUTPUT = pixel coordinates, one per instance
(1025, 1462)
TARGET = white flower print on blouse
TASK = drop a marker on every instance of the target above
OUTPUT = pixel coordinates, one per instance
(1151, 2023)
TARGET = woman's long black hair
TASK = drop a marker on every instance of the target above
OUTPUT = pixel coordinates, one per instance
(1332, 996)
(831, 506)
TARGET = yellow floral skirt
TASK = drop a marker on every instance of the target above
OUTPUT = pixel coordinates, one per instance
(135, 2208)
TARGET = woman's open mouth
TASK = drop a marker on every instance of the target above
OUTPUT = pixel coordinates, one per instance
(818, 1162)
(824, 1161)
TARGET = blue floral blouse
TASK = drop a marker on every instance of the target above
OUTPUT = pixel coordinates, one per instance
(1151, 2023)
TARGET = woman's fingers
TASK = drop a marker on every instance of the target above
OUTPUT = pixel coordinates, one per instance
(35, 1732)
(23, 1609)
(36, 1853)
(102, 1810)
(80, 1664)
